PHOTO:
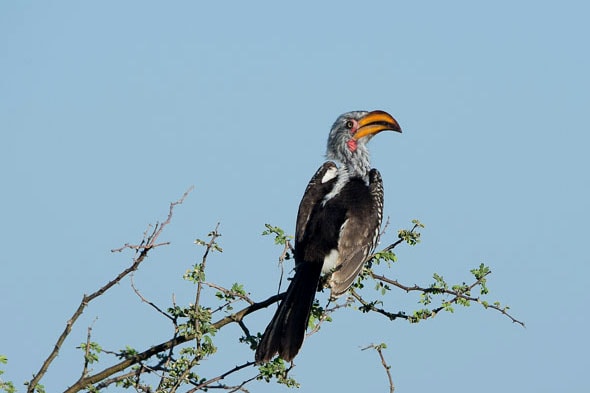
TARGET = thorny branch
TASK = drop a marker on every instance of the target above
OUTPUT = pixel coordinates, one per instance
(229, 292)
(240, 386)
(106, 377)
(372, 307)
(238, 318)
(168, 358)
(211, 245)
(326, 314)
(148, 243)
(288, 248)
(221, 376)
(119, 378)
(87, 350)
(457, 295)
(152, 351)
(214, 235)
(379, 348)
(152, 304)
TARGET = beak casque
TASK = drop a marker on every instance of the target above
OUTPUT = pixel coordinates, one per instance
(375, 122)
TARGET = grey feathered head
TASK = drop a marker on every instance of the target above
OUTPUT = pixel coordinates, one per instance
(350, 134)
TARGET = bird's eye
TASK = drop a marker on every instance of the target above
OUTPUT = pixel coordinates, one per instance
(349, 124)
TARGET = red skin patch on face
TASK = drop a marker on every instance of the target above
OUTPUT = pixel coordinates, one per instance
(351, 145)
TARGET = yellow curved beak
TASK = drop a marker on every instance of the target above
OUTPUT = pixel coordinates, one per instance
(375, 122)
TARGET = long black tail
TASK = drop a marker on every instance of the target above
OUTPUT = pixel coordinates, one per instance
(285, 332)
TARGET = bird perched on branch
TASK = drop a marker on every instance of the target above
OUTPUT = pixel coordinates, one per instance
(337, 228)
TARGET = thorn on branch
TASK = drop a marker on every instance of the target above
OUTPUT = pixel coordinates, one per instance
(139, 247)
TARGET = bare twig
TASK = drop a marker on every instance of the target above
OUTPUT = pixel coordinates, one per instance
(379, 348)
(372, 307)
(119, 378)
(282, 259)
(383, 230)
(244, 328)
(139, 247)
(150, 242)
(220, 377)
(241, 386)
(143, 299)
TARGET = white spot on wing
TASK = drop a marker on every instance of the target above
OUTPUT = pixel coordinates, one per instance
(330, 261)
(330, 174)
(343, 176)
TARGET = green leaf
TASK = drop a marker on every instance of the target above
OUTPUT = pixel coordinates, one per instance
(280, 237)
(276, 369)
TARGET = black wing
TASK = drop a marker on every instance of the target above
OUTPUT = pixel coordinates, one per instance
(285, 332)
(359, 233)
(310, 222)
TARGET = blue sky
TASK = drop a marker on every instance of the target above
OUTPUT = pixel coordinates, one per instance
(110, 111)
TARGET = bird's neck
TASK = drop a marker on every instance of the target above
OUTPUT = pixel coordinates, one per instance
(358, 165)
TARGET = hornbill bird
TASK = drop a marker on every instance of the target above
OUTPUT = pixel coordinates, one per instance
(337, 228)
